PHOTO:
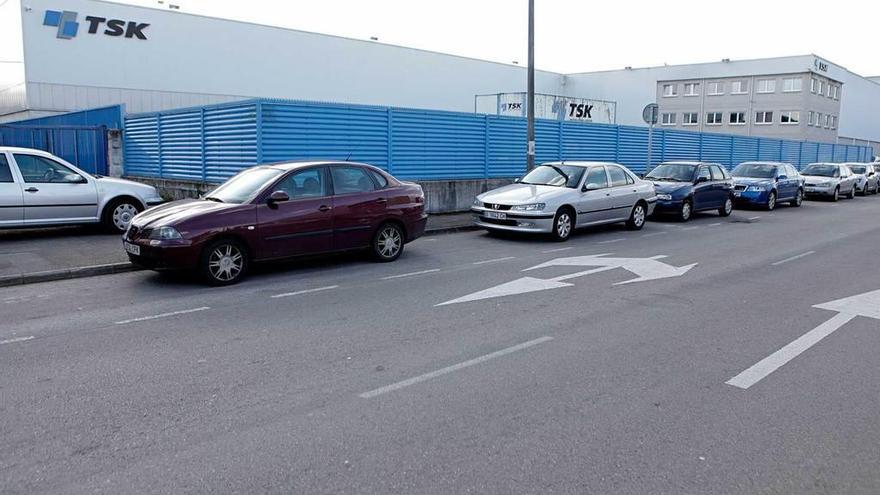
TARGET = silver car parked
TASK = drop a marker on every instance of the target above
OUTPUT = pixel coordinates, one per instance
(39, 189)
(558, 197)
(830, 180)
(867, 178)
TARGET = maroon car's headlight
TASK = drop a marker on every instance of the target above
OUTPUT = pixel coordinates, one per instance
(165, 234)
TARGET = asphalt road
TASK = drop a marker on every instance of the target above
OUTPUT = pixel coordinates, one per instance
(344, 376)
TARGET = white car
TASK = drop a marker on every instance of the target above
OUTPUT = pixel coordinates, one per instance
(558, 197)
(40, 189)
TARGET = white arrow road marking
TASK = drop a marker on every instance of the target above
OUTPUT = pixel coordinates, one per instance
(645, 269)
(867, 304)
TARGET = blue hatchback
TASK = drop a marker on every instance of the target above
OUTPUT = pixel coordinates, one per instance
(684, 188)
(766, 184)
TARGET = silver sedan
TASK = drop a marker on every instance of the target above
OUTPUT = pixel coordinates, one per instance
(830, 180)
(558, 197)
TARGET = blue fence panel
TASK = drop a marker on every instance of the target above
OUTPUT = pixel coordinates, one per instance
(142, 146)
(791, 152)
(681, 145)
(506, 147)
(437, 146)
(743, 149)
(111, 117)
(547, 141)
(716, 148)
(632, 148)
(589, 142)
(181, 144)
(770, 150)
(825, 153)
(83, 146)
(230, 141)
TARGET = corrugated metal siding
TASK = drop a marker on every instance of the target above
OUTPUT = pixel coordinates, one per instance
(107, 116)
(83, 146)
(212, 143)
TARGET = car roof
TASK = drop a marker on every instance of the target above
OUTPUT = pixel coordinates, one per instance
(765, 163)
(297, 164)
(687, 162)
(13, 149)
(579, 163)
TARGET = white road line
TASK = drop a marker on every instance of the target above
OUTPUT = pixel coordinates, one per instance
(612, 241)
(556, 250)
(306, 291)
(695, 227)
(19, 339)
(450, 369)
(423, 272)
(652, 234)
(771, 363)
(754, 218)
(714, 224)
(163, 315)
(799, 256)
(494, 260)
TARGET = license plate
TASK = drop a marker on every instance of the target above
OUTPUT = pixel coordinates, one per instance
(496, 215)
(132, 248)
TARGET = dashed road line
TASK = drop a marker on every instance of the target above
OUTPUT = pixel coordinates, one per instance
(610, 241)
(494, 260)
(411, 274)
(695, 227)
(714, 224)
(796, 257)
(652, 234)
(450, 369)
(306, 291)
(16, 340)
(556, 250)
(754, 218)
(164, 315)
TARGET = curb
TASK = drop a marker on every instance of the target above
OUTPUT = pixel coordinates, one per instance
(67, 273)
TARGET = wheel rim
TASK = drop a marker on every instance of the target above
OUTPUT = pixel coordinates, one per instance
(390, 242)
(639, 216)
(686, 211)
(225, 262)
(123, 214)
(771, 201)
(563, 225)
(799, 198)
(728, 206)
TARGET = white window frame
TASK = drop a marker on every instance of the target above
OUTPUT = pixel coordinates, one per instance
(719, 88)
(770, 83)
(827, 121)
(836, 92)
(764, 120)
(671, 94)
(810, 119)
(813, 84)
(738, 121)
(695, 89)
(795, 81)
(664, 121)
(834, 121)
(796, 114)
(819, 87)
(686, 122)
(719, 121)
(741, 82)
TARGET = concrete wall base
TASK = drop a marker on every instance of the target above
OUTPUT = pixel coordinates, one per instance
(442, 196)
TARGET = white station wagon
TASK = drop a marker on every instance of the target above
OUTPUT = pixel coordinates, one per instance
(40, 189)
(558, 197)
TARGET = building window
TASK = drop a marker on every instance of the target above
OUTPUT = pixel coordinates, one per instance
(828, 90)
(792, 84)
(737, 118)
(818, 119)
(715, 88)
(766, 86)
(819, 87)
(834, 122)
(691, 89)
(836, 92)
(667, 119)
(792, 117)
(810, 118)
(714, 118)
(669, 90)
(827, 121)
(691, 118)
(739, 87)
(763, 118)
(814, 83)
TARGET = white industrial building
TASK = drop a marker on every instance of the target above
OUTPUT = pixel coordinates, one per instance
(63, 55)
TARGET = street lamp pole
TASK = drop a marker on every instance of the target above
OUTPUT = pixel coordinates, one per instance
(530, 108)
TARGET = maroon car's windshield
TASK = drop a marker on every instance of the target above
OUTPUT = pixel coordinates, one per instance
(244, 186)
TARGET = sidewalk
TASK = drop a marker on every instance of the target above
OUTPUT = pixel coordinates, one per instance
(41, 255)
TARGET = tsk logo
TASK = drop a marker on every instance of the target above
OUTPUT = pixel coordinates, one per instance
(68, 26)
(580, 110)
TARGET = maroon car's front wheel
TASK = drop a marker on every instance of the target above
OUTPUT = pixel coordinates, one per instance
(388, 242)
(224, 262)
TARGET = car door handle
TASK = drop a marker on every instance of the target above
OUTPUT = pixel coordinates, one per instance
(324, 208)
(32, 190)
(381, 200)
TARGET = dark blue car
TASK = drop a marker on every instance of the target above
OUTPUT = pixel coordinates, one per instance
(766, 184)
(687, 187)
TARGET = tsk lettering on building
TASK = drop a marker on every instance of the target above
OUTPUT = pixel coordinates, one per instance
(580, 111)
(68, 26)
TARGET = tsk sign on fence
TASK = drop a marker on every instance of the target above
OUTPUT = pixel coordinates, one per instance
(68, 26)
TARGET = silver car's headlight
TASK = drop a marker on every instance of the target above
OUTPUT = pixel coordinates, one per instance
(531, 207)
(165, 234)
(478, 203)
(824, 184)
(664, 197)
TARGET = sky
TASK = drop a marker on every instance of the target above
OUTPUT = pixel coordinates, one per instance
(583, 35)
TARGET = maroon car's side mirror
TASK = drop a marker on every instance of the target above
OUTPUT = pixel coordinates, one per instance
(277, 197)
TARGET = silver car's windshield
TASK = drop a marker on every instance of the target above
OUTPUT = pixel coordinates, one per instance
(554, 175)
(675, 172)
(244, 186)
(821, 170)
(858, 169)
(755, 170)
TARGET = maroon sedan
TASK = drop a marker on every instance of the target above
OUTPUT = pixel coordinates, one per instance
(278, 211)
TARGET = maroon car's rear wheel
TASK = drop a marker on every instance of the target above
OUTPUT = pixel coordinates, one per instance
(388, 242)
(224, 262)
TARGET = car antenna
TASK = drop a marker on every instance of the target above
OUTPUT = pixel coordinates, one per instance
(347, 158)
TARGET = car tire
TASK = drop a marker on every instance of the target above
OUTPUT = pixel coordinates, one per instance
(771, 201)
(224, 262)
(118, 214)
(563, 224)
(798, 199)
(637, 217)
(836, 195)
(852, 193)
(686, 211)
(727, 208)
(388, 242)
